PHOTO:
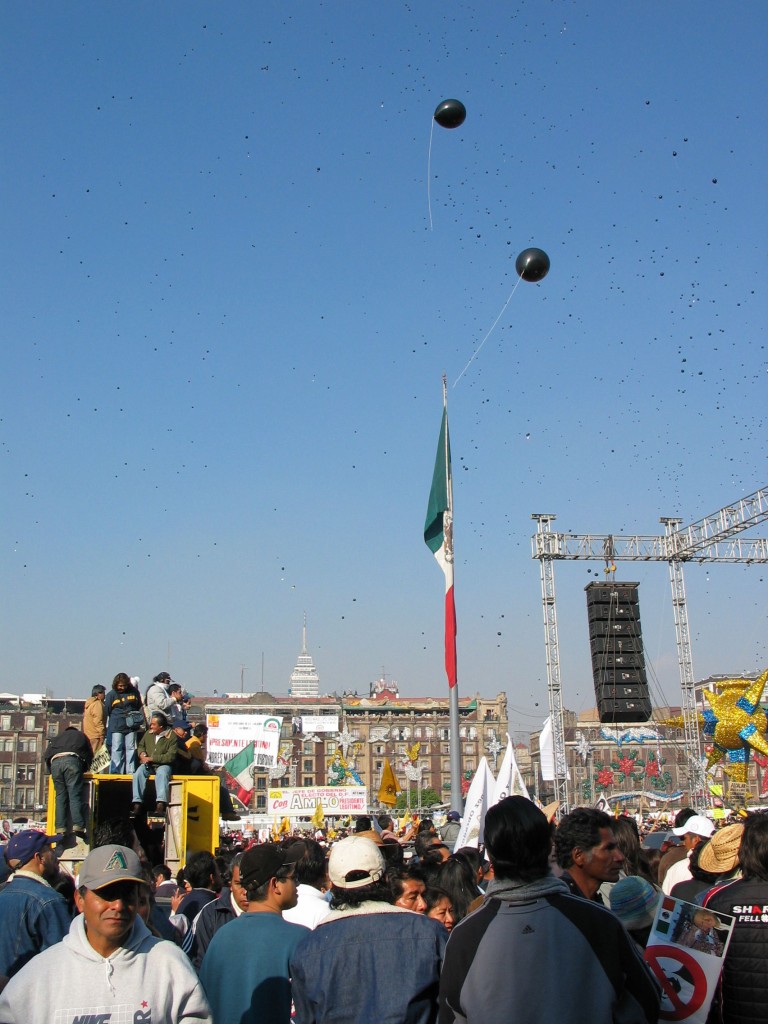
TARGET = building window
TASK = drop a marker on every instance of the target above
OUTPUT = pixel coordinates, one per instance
(469, 748)
(5, 796)
(261, 803)
(261, 782)
(27, 745)
(25, 773)
(53, 729)
(29, 722)
(5, 721)
(6, 744)
(379, 765)
(445, 734)
(330, 747)
(446, 766)
(309, 782)
(6, 772)
(309, 764)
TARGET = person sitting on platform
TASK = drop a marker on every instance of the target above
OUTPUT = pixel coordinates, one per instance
(157, 752)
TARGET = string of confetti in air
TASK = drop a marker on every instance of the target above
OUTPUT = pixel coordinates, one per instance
(490, 332)
(429, 172)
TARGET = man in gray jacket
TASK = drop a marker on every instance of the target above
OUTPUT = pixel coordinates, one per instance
(533, 951)
(109, 967)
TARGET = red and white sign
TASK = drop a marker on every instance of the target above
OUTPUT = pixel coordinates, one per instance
(670, 964)
(685, 951)
(302, 802)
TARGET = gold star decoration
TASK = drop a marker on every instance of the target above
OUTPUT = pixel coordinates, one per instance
(736, 724)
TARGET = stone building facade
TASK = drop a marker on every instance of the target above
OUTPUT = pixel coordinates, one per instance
(411, 732)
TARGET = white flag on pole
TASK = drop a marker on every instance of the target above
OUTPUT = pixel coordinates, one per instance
(477, 803)
(547, 752)
(509, 781)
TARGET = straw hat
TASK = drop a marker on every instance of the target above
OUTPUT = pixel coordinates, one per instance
(721, 854)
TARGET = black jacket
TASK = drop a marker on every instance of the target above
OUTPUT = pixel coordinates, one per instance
(744, 984)
(212, 917)
(71, 741)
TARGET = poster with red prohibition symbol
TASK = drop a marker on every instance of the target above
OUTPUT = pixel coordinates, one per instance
(685, 951)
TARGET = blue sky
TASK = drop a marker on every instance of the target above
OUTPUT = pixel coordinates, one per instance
(226, 320)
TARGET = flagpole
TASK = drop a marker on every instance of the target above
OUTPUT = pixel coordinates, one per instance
(457, 801)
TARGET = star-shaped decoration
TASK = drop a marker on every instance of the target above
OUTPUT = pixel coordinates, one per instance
(583, 746)
(736, 724)
(494, 747)
(345, 741)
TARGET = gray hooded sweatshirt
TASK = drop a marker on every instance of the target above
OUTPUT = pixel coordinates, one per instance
(146, 981)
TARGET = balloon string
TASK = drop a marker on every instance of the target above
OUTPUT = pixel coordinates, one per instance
(490, 332)
(429, 172)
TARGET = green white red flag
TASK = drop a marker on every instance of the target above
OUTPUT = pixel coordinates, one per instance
(438, 536)
(239, 774)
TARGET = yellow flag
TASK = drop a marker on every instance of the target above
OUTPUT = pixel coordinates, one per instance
(389, 787)
(275, 830)
(285, 826)
(318, 818)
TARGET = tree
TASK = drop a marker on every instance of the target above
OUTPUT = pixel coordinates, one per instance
(426, 798)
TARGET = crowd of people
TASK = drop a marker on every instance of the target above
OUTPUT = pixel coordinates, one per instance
(145, 737)
(543, 923)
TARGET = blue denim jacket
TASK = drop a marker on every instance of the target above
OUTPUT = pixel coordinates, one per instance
(378, 963)
(32, 917)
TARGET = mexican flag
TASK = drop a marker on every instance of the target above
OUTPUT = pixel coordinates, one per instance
(238, 773)
(438, 536)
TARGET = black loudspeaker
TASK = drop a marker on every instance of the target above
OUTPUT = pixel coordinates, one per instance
(621, 710)
(616, 645)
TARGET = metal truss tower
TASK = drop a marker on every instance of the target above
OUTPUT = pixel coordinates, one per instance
(715, 538)
(552, 647)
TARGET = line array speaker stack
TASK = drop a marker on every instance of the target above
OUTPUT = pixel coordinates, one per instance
(618, 663)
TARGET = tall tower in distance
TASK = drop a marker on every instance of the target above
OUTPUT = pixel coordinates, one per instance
(304, 681)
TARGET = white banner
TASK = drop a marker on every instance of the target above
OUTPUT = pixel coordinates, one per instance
(302, 802)
(319, 723)
(477, 803)
(509, 781)
(228, 734)
(547, 752)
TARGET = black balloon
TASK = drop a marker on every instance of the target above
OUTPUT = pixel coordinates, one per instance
(450, 113)
(532, 264)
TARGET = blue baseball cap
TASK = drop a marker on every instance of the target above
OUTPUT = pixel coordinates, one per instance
(23, 846)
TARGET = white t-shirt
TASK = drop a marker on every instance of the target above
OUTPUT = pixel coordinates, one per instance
(311, 908)
(679, 872)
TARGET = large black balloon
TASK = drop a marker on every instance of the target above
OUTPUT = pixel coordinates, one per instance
(450, 113)
(532, 264)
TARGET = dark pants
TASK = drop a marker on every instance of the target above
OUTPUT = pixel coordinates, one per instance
(67, 775)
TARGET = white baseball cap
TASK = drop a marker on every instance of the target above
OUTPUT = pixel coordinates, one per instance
(355, 854)
(696, 825)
